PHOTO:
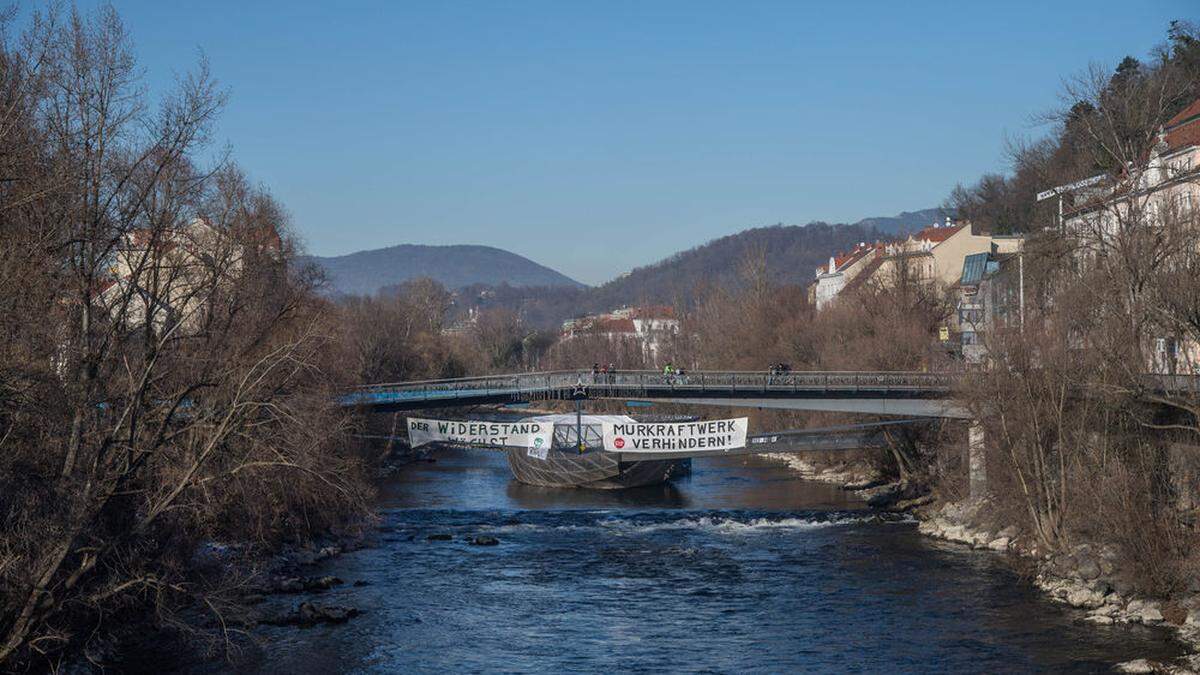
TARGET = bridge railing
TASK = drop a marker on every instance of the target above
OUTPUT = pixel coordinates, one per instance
(643, 382)
(463, 387)
(757, 380)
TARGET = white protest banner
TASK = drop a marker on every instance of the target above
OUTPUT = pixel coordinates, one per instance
(480, 434)
(634, 437)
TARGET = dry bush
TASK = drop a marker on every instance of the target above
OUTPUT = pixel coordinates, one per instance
(399, 335)
(582, 351)
(164, 373)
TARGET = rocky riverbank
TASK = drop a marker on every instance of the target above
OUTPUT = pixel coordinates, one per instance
(860, 478)
(267, 587)
(840, 473)
(1086, 577)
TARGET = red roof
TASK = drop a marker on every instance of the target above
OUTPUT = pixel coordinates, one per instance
(1184, 129)
(101, 286)
(1186, 114)
(265, 236)
(141, 236)
(855, 254)
(938, 234)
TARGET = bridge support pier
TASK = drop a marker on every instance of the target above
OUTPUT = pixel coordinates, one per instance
(976, 461)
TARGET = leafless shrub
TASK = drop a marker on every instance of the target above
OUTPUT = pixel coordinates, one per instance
(161, 378)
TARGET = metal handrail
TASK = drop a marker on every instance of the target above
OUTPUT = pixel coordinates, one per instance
(643, 380)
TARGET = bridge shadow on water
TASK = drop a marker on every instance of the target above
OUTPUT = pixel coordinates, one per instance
(482, 480)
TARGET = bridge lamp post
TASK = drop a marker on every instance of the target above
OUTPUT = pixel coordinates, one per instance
(578, 395)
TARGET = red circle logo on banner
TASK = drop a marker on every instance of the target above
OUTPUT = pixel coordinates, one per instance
(620, 443)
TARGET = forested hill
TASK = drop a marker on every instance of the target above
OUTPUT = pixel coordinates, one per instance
(790, 253)
(905, 222)
(365, 272)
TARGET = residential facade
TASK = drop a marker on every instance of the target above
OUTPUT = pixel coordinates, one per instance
(841, 271)
(936, 253)
(988, 297)
(166, 277)
(1166, 186)
(1162, 190)
(649, 328)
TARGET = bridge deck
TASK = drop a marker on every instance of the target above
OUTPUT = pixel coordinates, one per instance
(905, 394)
(567, 385)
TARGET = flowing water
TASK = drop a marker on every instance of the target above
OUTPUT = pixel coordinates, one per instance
(738, 567)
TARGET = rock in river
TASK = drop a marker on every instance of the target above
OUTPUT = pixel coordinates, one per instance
(440, 537)
(308, 614)
(302, 584)
(1136, 666)
(484, 540)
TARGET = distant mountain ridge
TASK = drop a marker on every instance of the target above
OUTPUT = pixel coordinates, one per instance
(365, 272)
(492, 277)
(791, 254)
(904, 222)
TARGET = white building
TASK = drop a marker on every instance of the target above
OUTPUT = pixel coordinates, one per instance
(651, 327)
(832, 278)
(1097, 209)
(1098, 212)
(167, 277)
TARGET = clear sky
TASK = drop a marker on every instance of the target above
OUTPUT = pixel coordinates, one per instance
(594, 137)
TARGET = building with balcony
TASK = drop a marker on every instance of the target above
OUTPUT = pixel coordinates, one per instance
(935, 255)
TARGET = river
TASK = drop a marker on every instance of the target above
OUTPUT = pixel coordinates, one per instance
(738, 567)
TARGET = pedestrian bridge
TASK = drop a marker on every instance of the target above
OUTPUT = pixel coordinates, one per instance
(908, 394)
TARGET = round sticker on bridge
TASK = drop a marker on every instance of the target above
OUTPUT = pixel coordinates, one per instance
(680, 438)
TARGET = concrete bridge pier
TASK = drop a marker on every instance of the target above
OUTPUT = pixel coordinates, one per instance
(976, 461)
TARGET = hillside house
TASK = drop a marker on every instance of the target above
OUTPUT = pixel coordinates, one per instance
(1096, 209)
(841, 271)
(936, 253)
(988, 299)
(1164, 190)
(166, 277)
(647, 328)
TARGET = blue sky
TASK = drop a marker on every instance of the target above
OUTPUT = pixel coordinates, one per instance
(594, 137)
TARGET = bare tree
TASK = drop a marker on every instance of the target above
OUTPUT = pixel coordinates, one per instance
(162, 366)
